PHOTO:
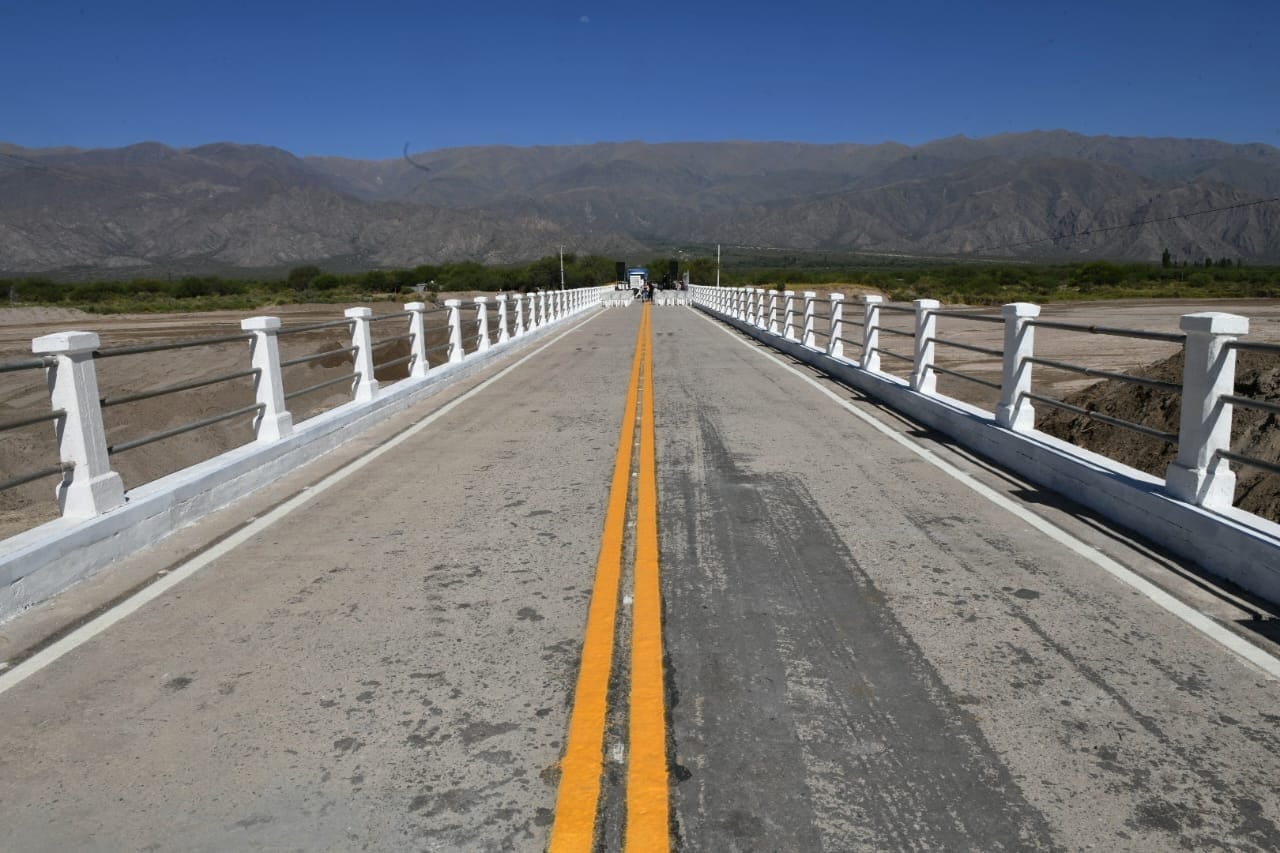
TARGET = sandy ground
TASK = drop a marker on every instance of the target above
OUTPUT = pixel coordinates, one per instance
(24, 393)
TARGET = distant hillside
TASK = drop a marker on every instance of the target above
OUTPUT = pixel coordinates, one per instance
(149, 207)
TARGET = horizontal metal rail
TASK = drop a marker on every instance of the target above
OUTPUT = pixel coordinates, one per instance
(1249, 460)
(1159, 385)
(111, 352)
(29, 364)
(170, 433)
(107, 402)
(857, 343)
(304, 359)
(397, 339)
(1170, 437)
(893, 354)
(348, 377)
(965, 315)
(966, 376)
(897, 309)
(970, 347)
(1251, 403)
(332, 324)
(438, 348)
(897, 332)
(34, 419)
(1171, 337)
(23, 479)
(849, 322)
(823, 333)
(396, 361)
(1252, 346)
(377, 318)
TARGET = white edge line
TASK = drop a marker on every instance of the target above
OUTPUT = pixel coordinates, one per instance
(1268, 663)
(10, 678)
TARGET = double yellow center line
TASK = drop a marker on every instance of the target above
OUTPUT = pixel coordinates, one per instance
(578, 800)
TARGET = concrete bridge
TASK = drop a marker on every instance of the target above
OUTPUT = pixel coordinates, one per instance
(651, 577)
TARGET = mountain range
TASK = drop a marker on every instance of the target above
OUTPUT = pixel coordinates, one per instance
(148, 208)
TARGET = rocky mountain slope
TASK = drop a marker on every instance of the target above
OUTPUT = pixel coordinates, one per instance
(221, 206)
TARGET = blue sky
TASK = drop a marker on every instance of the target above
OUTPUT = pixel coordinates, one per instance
(362, 80)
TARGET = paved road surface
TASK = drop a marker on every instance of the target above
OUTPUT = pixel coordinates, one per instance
(863, 654)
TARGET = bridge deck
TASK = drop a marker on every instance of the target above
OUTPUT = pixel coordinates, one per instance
(864, 651)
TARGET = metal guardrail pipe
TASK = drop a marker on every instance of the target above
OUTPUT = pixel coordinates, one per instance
(1171, 337)
(107, 402)
(29, 364)
(179, 430)
(1157, 384)
(112, 352)
(23, 479)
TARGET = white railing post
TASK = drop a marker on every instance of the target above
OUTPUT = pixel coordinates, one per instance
(273, 421)
(482, 323)
(91, 487)
(545, 298)
(419, 365)
(503, 334)
(789, 315)
(519, 297)
(871, 332)
(455, 329)
(756, 297)
(835, 346)
(366, 386)
(923, 379)
(1015, 410)
(1199, 475)
(773, 312)
(807, 337)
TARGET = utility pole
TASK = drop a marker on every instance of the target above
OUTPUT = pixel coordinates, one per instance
(717, 264)
(562, 267)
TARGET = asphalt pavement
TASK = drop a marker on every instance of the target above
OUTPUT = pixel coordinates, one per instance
(862, 651)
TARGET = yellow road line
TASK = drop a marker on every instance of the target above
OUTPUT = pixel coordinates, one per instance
(647, 760)
(579, 793)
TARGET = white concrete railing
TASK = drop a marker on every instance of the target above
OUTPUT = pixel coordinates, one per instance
(74, 385)
(101, 522)
(1189, 510)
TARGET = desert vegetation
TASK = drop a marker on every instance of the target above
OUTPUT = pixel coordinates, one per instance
(972, 284)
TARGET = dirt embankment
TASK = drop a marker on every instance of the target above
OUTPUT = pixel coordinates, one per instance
(1253, 433)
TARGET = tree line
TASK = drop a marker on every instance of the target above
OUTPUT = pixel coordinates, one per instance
(969, 283)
